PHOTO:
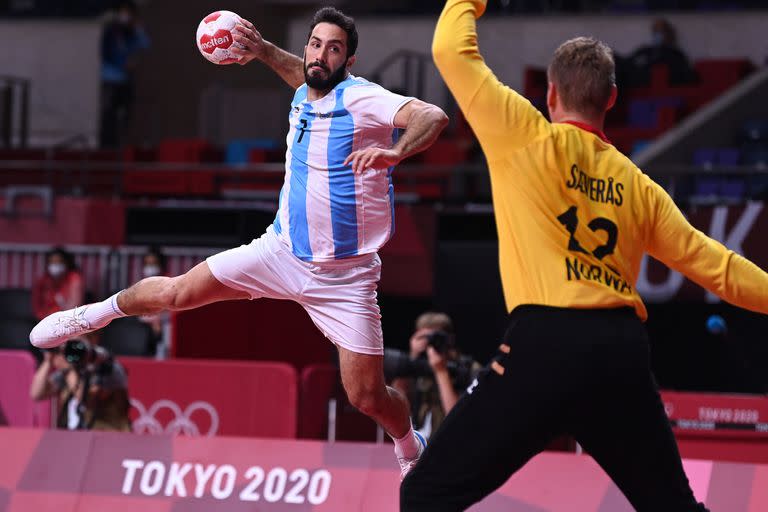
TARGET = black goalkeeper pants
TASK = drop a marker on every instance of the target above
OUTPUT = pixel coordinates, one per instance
(585, 373)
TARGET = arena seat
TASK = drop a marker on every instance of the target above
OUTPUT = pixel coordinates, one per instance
(644, 113)
(16, 318)
(128, 337)
(206, 398)
(17, 409)
(16, 303)
(14, 333)
(242, 151)
(182, 150)
(319, 384)
(710, 157)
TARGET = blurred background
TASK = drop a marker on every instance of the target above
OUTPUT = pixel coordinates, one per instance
(117, 140)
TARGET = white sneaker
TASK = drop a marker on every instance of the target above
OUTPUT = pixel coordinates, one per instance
(406, 465)
(58, 327)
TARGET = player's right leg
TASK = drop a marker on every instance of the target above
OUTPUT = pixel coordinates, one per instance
(149, 296)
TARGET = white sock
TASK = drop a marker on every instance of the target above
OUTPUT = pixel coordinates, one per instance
(101, 313)
(407, 447)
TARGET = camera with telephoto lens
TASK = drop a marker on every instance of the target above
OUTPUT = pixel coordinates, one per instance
(441, 341)
(85, 357)
(399, 364)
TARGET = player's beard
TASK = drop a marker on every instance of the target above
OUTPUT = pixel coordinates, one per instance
(324, 84)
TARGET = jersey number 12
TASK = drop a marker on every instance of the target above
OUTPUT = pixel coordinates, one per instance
(570, 220)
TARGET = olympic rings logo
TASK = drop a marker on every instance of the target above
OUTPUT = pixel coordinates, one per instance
(182, 423)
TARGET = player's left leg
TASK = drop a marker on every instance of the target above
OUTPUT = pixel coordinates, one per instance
(363, 378)
(623, 425)
(341, 300)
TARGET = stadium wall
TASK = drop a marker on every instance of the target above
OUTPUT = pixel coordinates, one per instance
(510, 44)
(61, 58)
(174, 84)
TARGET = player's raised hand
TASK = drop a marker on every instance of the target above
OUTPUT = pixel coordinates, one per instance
(372, 158)
(246, 34)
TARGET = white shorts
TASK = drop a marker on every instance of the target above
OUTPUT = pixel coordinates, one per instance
(340, 296)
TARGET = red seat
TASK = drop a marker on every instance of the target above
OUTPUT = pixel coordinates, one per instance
(319, 384)
(182, 150)
(203, 397)
(723, 71)
(17, 409)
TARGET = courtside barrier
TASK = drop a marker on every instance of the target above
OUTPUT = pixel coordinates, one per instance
(61, 471)
(208, 398)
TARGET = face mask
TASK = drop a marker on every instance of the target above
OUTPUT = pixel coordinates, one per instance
(151, 270)
(56, 269)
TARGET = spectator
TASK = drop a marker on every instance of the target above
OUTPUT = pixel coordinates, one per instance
(438, 372)
(91, 387)
(635, 70)
(122, 39)
(61, 287)
(153, 264)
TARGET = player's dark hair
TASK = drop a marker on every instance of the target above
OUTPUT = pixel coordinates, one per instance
(584, 72)
(338, 18)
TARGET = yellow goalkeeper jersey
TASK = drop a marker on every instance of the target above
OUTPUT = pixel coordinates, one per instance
(573, 214)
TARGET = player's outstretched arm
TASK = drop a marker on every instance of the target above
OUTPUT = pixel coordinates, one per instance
(456, 52)
(422, 121)
(673, 241)
(287, 65)
(499, 116)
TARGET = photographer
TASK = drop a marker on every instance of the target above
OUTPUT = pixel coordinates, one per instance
(434, 374)
(91, 387)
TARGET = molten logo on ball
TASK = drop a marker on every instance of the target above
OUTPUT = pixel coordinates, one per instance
(214, 37)
(221, 39)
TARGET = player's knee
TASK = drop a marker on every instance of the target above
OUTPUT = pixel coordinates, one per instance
(366, 400)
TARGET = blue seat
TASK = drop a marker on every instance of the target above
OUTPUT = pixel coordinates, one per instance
(709, 157)
(705, 157)
(728, 156)
(707, 187)
(238, 151)
(644, 112)
(641, 114)
(733, 189)
(639, 145)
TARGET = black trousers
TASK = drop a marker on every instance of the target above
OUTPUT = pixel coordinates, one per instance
(585, 373)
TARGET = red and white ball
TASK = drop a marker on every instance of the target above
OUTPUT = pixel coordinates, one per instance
(214, 37)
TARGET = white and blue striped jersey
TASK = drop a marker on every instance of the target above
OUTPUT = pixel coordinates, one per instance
(326, 211)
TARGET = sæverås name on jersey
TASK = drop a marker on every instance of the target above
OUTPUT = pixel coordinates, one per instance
(600, 190)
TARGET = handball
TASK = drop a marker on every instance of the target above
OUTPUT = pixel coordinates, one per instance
(214, 37)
